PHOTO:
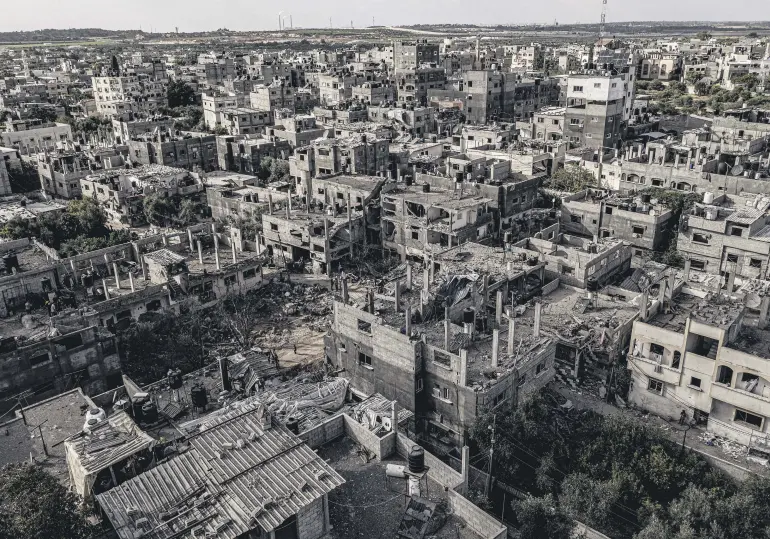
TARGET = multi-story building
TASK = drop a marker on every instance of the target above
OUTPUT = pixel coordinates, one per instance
(360, 154)
(33, 136)
(116, 96)
(277, 95)
(408, 55)
(705, 354)
(414, 84)
(374, 93)
(128, 129)
(547, 124)
(245, 120)
(598, 109)
(190, 151)
(214, 104)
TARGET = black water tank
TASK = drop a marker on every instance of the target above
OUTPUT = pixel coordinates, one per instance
(408, 179)
(416, 459)
(722, 169)
(149, 412)
(198, 396)
(292, 423)
(426, 188)
(592, 285)
(10, 261)
(469, 315)
(175, 378)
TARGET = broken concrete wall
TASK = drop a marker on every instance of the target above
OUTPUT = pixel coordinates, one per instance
(476, 518)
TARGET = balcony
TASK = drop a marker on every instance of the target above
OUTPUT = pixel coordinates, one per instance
(751, 402)
(653, 369)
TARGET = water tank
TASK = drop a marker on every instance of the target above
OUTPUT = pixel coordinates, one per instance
(592, 285)
(175, 378)
(149, 412)
(395, 470)
(416, 459)
(198, 396)
(96, 413)
(508, 237)
(469, 315)
(408, 180)
(708, 197)
(722, 169)
(10, 261)
(712, 214)
(292, 423)
(426, 188)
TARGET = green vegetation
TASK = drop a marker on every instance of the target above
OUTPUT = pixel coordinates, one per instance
(81, 228)
(180, 94)
(273, 170)
(678, 202)
(160, 210)
(571, 179)
(617, 475)
(34, 505)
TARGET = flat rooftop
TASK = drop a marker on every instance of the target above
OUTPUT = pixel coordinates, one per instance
(19, 206)
(714, 310)
(370, 504)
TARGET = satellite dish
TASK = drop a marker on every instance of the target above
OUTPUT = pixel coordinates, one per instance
(753, 301)
(737, 170)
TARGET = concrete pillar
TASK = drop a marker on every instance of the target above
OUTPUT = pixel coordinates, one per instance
(350, 225)
(686, 270)
(538, 310)
(216, 251)
(643, 306)
(499, 308)
(731, 281)
(131, 281)
(671, 284)
(164, 239)
(394, 413)
(74, 269)
(371, 301)
(485, 289)
(426, 280)
(200, 252)
(463, 374)
(495, 347)
(447, 333)
(409, 276)
(408, 320)
(345, 290)
(662, 291)
(676, 160)
(270, 203)
(398, 296)
(763, 311)
(107, 263)
(689, 163)
(651, 156)
(106, 290)
(235, 256)
(466, 464)
(144, 268)
(190, 239)
(117, 275)
(511, 334)
(697, 156)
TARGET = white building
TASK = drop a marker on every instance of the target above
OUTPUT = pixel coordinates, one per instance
(116, 96)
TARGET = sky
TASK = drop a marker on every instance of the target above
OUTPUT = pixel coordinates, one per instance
(202, 15)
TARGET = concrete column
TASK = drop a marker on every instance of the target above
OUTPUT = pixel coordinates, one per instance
(270, 203)
(117, 275)
(327, 523)
(408, 276)
(74, 269)
(495, 347)
(164, 238)
(650, 157)
(643, 306)
(107, 263)
(190, 239)
(398, 296)
(763, 311)
(144, 269)
(686, 270)
(394, 413)
(465, 467)
(463, 374)
(214, 227)
(350, 225)
(689, 162)
(676, 160)
(447, 333)
(216, 251)
(697, 156)
(485, 289)
(511, 334)
(106, 290)
(371, 301)
(538, 310)
(200, 252)
(235, 256)
(731, 281)
(499, 308)
(131, 281)
(408, 320)
(426, 280)
(662, 291)
(345, 290)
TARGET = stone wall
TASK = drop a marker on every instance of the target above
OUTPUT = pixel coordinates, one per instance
(324, 433)
(476, 518)
(311, 521)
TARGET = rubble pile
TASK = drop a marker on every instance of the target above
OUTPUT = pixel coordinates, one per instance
(732, 449)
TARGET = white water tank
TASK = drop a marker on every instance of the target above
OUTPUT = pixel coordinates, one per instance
(94, 417)
(708, 197)
(712, 214)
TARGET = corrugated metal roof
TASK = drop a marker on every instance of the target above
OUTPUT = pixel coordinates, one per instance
(745, 216)
(164, 257)
(266, 476)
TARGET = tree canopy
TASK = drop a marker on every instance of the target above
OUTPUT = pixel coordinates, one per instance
(34, 505)
(571, 179)
(180, 94)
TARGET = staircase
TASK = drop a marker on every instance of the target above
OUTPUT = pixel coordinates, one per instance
(712, 353)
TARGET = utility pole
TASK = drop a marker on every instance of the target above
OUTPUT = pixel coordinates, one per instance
(488, 487)
(42, 440)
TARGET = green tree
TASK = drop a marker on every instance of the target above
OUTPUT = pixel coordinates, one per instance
(158, 209)
(189, 212)
(542, 518)
(34, 505)
(180, 94)
(572, 179)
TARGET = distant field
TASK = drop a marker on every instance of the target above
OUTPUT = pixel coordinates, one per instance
(56, 44)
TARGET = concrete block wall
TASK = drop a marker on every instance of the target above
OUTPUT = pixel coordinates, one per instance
(357, 432)
(476, 518)
(440, 472)
(324, 433)
(311, 521)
